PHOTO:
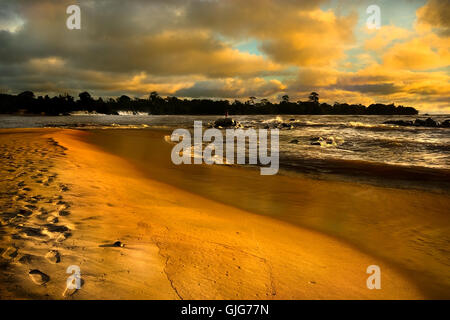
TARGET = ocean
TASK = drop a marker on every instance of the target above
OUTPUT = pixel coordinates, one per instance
(351, 148)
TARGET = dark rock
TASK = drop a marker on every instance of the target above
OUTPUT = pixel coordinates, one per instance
(425, 123)
(118, 244)
(399, 122)
(224, 123)
(445, 124)
(430, 123)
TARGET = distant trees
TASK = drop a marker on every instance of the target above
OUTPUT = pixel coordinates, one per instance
(251, 101)
(26, 102)
(314, 97)
(285, 99)
(85, 97)
(26, 95)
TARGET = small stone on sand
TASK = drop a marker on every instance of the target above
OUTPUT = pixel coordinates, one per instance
(118, 244)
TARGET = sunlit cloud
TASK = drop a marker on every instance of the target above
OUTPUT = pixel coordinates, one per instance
(230, 49)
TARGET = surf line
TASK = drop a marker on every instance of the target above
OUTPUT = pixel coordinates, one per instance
(213, 153)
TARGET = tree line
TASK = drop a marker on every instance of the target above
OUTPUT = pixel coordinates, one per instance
(27, 103)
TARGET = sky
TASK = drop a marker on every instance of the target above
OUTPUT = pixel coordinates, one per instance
(231, 49)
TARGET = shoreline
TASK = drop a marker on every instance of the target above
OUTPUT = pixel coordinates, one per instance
(180, 245)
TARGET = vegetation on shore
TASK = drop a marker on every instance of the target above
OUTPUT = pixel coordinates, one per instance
(27, 103)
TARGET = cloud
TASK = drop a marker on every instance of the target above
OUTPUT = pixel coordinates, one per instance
(233, 88)
(191, 48)
(385, 36)
(420, 53)
(435, 14)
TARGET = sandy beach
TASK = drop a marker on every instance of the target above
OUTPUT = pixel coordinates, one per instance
(65, 202)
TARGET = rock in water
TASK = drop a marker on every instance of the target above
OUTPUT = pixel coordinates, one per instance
(399, 122)
(425, 123)
(224, 123)
(38, 277)
(53, 256)
(445, 124)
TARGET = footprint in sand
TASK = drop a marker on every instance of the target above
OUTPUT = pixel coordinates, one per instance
(63, 236)
(26, 259)
(63, 213)
(30, 232)
(60, 233)
(63, 203)
(10, 253)
(55, 199)
(55, 228)
(18, 197)
(38, 277)
(63, 188)
(52, 219)
(30, 207)
(31, 200)
(24, 212)
(42, 216)
(53, 256)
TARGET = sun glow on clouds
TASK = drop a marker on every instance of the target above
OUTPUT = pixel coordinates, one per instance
(231, 49)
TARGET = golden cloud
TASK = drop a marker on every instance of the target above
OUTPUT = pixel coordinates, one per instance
(435, 14)
(384, 36)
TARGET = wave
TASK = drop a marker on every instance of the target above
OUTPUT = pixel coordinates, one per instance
(372, 172)
(131, 113)
(96, 126)
(86, 113)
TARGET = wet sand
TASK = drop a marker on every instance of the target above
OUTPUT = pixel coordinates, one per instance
(65, 202)
(406, 227)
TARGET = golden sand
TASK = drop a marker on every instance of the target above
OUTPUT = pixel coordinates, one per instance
(61, 194)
